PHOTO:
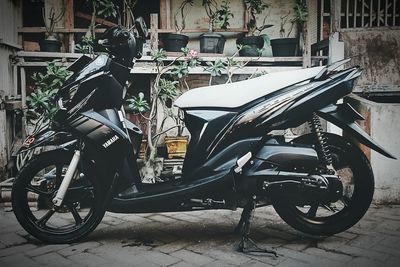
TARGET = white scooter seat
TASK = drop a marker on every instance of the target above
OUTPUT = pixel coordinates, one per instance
(237, 94)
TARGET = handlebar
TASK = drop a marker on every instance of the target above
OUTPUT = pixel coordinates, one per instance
(117, 35)
(121, 43)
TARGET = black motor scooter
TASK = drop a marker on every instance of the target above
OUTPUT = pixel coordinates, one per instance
(319, 183)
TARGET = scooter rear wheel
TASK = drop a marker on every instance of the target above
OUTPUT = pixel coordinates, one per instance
(32, 194)
(357, 178)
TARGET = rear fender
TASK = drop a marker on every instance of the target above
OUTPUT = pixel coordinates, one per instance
(344, 117)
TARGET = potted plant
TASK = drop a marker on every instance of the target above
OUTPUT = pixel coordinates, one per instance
(174, 42)
(137, 109)
(226, 66)
(253, 42)
(41, 106)
(51, 43)
(164, 91)
(285, 46)
(176, 144)
(211, 42)
(104, 8)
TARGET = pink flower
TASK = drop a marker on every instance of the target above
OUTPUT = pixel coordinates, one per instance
(193, 53)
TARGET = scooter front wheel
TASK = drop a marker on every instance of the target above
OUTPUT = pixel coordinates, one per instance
(357, 178)
(34, 189)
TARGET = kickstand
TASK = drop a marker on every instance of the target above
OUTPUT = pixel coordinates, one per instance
(247, 245)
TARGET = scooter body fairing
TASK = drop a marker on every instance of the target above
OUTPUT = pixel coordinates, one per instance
(220, 136)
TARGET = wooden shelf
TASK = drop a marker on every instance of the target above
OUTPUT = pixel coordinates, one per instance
(232, 30)
(83, 30)
(48, 55)
(13, 104)
(41, 58)
(56, 30)
(213, 57)
(150, 68)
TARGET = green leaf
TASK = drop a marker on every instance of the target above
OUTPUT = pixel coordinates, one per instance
(41, 101)
(138, 104)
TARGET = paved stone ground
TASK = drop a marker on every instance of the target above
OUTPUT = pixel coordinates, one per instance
(205, 239)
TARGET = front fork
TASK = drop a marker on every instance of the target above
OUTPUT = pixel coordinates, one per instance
(71, 173)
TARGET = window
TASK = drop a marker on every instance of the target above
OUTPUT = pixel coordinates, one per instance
(369, 13)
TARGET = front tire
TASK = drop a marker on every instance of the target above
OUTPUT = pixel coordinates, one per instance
(39, 180)
(358, 188)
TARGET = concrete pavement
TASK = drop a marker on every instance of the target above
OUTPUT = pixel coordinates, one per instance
(204, 238)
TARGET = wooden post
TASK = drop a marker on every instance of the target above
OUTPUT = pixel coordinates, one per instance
(154, 32)
(15, 79)
(18, 13)
(307, 43)
(23, 100)
(336, 46)
(69, 23)
(165, 14)
(3, 140)
(245, 16)
(335, 15)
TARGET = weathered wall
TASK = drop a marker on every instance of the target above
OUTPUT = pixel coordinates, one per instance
(197, 19)
(9, 20)
(382, 123)
(378, 52)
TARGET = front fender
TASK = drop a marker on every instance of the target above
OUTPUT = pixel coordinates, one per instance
(344, 116)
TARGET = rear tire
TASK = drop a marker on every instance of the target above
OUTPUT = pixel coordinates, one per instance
(39, 179)
(347, 157)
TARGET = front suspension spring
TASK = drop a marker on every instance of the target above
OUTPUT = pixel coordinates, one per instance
(321, 140)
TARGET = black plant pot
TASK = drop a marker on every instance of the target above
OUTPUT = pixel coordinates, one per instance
(174, 42)
(251, 44)
(212, 43)
(50, 46)
(285, 47)
(139, 46)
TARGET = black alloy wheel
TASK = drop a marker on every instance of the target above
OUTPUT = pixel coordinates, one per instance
(33, 191)
(357, 178)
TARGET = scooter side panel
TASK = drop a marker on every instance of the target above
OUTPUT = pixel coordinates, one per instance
(102, 132)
